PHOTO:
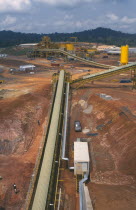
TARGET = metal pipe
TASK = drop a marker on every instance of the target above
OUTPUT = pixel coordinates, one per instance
(81, 184)
(65, 123)
(65, 128)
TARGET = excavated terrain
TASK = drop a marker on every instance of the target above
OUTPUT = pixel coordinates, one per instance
(24, 108)
(109, 126)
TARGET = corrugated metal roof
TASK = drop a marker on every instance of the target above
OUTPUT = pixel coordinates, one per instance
(27, 66)
(28, 44)
(81, 153)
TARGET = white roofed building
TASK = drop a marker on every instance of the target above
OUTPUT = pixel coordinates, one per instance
(27, 68)
(107, 47)
(81, 158)
(28, 45)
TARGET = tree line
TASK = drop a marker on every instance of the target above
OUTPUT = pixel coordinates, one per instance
(98, 35)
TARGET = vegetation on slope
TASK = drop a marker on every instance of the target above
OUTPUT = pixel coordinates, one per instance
(99, 35)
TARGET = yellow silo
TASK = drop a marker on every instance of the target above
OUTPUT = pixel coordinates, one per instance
(69, 47)
(124, 55)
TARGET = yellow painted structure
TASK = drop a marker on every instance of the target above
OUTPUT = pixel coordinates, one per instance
(91, 50)
(124, 55)
(87, 55)
(62, 45)
(69, 47)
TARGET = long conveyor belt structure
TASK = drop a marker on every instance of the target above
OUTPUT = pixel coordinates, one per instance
(104, 74)
(88, 62)
(42, 188)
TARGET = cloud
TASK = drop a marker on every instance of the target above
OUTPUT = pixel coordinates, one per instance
(112, 17)
(43, 16)
(14, 5)
(68, 3)
(71, 3)
(128, 20)
(8, 20)
(68, 17)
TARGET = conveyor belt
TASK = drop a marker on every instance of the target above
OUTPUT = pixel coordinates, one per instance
(40, 198)
(92, 63)
(106, 73)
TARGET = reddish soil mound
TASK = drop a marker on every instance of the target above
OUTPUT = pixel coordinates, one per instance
(21, 128)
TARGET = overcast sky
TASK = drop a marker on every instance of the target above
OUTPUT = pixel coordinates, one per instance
(47, 16)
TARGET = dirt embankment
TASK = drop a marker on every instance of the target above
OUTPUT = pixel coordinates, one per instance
(110, 129)
(113, 154)
(116, 128)
(23, 120)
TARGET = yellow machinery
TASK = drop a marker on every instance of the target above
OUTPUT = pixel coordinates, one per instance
(70, 47)
(46, 43)
(124, 55)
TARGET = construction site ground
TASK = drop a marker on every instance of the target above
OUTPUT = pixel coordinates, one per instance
(25, 102)
(24, 108)
(109, 127)
(112, 184)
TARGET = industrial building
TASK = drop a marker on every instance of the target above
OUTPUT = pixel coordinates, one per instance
(27, 68)
(113, 52)
(27, 45)
(81, 158)
(107, 47)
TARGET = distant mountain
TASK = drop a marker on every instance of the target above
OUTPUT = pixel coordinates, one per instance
(99, 35)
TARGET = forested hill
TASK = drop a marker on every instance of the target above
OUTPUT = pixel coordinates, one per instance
(10, 38)
(100, 35)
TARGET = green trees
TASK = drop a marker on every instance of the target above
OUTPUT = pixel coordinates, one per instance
(98, 35)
